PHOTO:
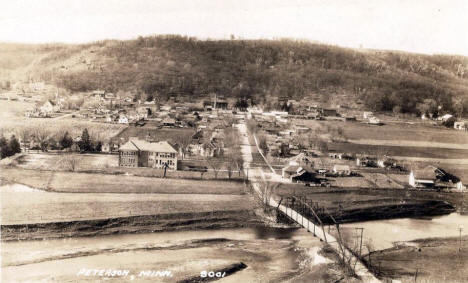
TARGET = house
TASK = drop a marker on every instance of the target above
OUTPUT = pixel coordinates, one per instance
(301, 129)
(304, 176)
(109, 96)
(387, 162)
(98, 93)
(106, 147)
(169, 122)
(367, 115)
(123, 119)
(315, 115)
(49, 107)
(366, 161)
(426, 177)
(445, 117)
(141, 153)
(329, 112)
(461, 125)
(290, 170)
(342, 170)
(374, 121)
(143, 112)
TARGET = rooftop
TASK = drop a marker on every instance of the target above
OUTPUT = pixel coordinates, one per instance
(136, 144)
(428, 173)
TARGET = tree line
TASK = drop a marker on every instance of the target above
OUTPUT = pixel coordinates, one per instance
(9, 147)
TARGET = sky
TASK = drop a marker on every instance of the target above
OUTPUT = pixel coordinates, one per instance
(423, 26)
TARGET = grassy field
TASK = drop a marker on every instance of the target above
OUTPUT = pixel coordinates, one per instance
(360, 204)
(38, 206)
(434, 260)
(393, 131)
(426, 152)
(13, 109)
(108, 164)
(106, 183)
(47, 161)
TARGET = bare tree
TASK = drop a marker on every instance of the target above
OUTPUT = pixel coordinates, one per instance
(344, 240)
(267, 191)
(215, 163)
(369, 245)
(71, 162)
(231, 139)
(230, 164)
(24, 133)
(239, 161)
(41, 136)
(183, 141)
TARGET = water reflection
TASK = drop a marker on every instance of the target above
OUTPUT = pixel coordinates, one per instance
(263, 232)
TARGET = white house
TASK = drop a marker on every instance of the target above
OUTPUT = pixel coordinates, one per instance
(445, 117)
(367, 114)
(341, 169)
(374, 121)
(49, 107)
(123, 119)
(461, 125)
(423, 178)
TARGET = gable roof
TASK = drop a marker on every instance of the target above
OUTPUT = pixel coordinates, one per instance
(292, 168)
(341, 167)
(428, 173)
(129, 146)
(136, 144)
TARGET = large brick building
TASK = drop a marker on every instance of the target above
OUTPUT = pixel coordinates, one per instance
(140, 153)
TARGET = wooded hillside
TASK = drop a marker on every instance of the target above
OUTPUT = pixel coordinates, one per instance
(257, 69)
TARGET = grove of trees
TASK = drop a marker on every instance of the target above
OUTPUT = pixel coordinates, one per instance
(9, 147)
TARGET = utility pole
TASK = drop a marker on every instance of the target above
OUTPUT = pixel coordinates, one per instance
(460, 228)
(360, 245)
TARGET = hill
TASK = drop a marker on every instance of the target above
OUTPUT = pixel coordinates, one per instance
(262, 70)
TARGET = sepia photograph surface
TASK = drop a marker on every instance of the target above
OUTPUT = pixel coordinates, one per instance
(234, 141)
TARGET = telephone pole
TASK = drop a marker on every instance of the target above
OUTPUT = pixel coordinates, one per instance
(360, 244)
(460, 228)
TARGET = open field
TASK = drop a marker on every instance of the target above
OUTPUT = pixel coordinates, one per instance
(359, 204)
(394, 132)
(108, 164)
(422, 152)
(434, 260)
(21, 205)
(13, 109)
(48, 161)
(105, 183)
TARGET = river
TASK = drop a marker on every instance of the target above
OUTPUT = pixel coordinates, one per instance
(384, 233)
(269, 253)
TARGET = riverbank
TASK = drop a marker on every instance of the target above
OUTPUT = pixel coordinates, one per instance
(425, 260)
(131, 225)
(347, 205)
